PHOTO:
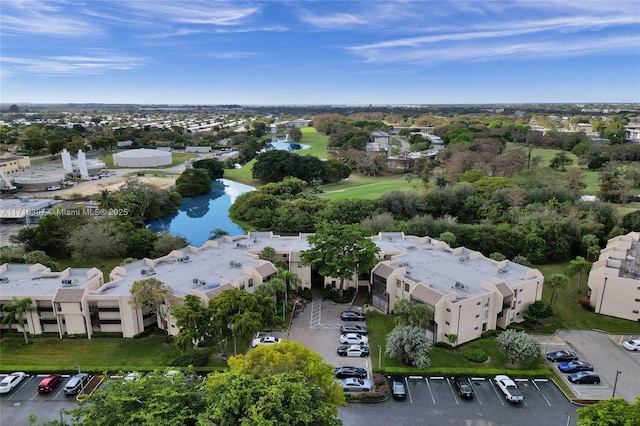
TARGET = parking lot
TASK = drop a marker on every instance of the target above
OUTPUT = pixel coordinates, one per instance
(430, 400)
(434, 400)
(607, 356)
(24, 400)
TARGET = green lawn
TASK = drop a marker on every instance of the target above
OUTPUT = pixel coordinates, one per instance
(570, 315)
(358, 186)
(318, 142)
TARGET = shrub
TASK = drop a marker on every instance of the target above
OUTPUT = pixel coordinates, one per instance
(196, 360)
(476, 355)
(443, 345)
(585, 303)
(489, 333)
(306, 294)
(515, 327)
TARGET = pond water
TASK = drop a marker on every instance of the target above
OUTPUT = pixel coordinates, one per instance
(198, 216)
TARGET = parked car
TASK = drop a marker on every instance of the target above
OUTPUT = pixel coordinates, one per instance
(132, 376)
(346, 372)
(574, 367)
(353, 350)
(353, 328)
(76, 383)
(562, 356)
(354, 339)
(584, 377)
(53, 188)
(353, 384)
(352, 316)
(464, 387)
(632, 345)
(398, 390)
(265, 340)
(95, 177)
(49, 383)
(69, 183)
(10, 382)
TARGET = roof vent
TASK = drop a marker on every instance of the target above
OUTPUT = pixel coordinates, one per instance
(4, 279)
(147, 271)
(183, 259)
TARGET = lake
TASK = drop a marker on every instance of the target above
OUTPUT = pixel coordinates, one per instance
(198, 216)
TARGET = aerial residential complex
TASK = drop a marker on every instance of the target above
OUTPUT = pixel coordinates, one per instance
(614, 280)
(468, 292)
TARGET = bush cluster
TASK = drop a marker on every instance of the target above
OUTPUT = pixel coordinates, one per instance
(586, 304)
(196, 360)
(443, 345)
(476, 355)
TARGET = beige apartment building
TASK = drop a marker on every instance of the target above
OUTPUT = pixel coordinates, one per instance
(614, 279)
(467, 292)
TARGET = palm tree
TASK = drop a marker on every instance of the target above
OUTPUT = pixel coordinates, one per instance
(556, 282)
(16, 313)
(291, 281)
(106, 200)
(577, 266)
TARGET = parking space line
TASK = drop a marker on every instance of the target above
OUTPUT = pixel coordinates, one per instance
(426, 379)
(474, 389)
(452, 391)
(540, 390)
(500, 397)
(406, 385)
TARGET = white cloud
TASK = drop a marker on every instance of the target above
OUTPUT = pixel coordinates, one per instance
(197, 12)
(34, 17)
(95, 62)
(332, 20)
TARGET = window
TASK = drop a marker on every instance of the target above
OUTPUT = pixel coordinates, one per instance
(478, 304)
(398, 294)
(486, 301)
(406, 286)
(250, 282)
(447, 322)
(520, 290)
(300, 265)
(241, 286)
(397, 283)
(635, 312)
(478, 316)
(485, 315)
(448, 310)
(519, 302)
(637, 300)
(476, 328)
(484, 326)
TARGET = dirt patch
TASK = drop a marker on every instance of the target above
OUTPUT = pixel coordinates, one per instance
(113, 184)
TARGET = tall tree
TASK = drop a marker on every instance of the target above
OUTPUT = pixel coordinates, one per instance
(613, 411)
(194, 322)
(16, 311)
(410, 313)
(151, 400)
(557, 281)
(288, 357)
(578, 266)
(340, 251)
(238, 313)
(157, 297)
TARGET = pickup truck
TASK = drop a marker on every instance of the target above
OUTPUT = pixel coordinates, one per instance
(509, 388)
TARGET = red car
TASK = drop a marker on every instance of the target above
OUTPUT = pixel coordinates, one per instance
(48, 383)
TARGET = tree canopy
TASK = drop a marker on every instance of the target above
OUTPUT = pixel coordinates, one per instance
(610, 412)
(409, 344)
(193, 182)
(154, 295)
(340, 251)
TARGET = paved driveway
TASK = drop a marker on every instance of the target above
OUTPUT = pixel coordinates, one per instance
(607, 356)
(318, 328)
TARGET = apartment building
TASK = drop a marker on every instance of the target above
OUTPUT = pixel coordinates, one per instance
(467, 292)
(614, 279)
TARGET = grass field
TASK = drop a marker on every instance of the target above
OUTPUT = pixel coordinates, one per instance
(570, 315)
(358, 186)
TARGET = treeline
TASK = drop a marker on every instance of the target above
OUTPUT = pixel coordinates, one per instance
(542, 223)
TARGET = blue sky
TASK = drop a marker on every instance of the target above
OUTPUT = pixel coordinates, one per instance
(319, 52)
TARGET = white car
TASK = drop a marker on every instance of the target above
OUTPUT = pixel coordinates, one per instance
(265, 340)
(53, 188)
(632, 345)
(354, 339)
(354, 384)
(11, 381)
